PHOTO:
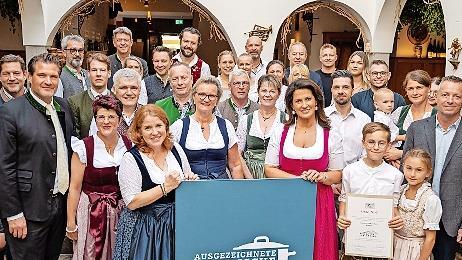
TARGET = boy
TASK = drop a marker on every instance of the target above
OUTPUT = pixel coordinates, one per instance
(372, 175)
(384, 104)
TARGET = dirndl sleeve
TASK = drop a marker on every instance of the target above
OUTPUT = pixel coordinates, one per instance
(130, 179)
(432, 213)
(78, 147)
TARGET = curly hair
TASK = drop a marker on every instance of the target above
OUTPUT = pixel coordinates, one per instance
(134, 132)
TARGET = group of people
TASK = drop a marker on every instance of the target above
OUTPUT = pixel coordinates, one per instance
(96, 155)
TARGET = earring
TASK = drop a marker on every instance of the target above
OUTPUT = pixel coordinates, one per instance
(293, 112)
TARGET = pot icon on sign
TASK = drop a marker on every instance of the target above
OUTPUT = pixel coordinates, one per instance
(263, 243)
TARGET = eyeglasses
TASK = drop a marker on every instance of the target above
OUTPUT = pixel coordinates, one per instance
(372, 144)
(75, 51)
(211, 97)
(241, 83)
(381, 73)
(110, 118)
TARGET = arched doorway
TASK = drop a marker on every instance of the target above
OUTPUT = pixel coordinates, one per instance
(419, 43)
(322, 22)
(152, 23)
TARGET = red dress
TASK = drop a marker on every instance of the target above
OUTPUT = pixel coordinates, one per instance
(325, 233)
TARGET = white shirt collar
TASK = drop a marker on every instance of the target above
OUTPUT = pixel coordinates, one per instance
(333, 109)
(453, 125)
(96, 94)
(192, 63)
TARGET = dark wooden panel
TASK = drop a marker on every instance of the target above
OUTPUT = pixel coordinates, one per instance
(399, 67)
(21, 53)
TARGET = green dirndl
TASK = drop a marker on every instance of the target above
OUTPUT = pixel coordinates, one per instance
(255, 151)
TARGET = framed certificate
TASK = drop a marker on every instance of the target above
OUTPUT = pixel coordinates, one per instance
(369, 234)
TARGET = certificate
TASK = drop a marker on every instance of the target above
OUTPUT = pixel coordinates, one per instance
(369, 234)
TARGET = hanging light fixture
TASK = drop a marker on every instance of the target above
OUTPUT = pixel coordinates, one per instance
(146, 3)
(149, 16)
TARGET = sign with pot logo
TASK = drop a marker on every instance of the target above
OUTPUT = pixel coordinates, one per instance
(270, 219)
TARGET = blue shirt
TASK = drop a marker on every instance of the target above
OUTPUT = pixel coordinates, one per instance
(364, 101)
(443, 140)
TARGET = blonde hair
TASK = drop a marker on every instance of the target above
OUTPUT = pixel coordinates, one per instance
(303, 70)
(223, 53)
(365, 61)
(379, 93)
(327, 46)
(421, 154)
(373, 127)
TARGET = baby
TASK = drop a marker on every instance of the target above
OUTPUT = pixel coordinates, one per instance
(384, 103)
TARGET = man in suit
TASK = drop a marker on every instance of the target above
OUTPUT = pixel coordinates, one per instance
(35, 133)
(81, 104)
(441, 136)
(122, 38)
(73, 78)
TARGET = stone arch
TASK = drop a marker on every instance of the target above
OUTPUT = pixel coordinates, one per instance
(385, 26)
(343, 9)
(204, 13)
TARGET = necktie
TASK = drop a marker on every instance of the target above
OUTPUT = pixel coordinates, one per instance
(62, 168)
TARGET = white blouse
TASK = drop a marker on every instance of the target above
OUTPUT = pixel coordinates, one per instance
(281, 102)
(289, 149)
(130, 180)
(226, 91)
(101, 157)
(143, 98)
(381, 117)
(432, 210)
(408, 120)
(195, 139)
(255, 129)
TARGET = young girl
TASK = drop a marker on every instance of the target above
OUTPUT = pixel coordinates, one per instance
(420, 208)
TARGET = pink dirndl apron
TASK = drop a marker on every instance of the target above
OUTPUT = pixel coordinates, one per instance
(325, 234)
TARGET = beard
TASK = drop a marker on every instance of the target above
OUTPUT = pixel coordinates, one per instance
(76, 63)
(183, 51)
(342, 101)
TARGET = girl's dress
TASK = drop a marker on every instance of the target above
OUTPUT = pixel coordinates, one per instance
(422, 213)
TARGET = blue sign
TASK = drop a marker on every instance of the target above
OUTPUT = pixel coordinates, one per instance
(271, 219)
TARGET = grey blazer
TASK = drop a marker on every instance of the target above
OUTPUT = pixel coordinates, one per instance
(421, 134)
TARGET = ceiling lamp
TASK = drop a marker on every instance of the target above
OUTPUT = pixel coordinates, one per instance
(146, 3)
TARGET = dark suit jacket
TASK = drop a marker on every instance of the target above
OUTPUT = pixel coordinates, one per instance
(28, 156)
(421, 134)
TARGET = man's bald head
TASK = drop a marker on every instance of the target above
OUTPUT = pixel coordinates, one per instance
(254, 47)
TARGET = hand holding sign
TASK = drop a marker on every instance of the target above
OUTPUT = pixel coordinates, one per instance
(172, 181)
